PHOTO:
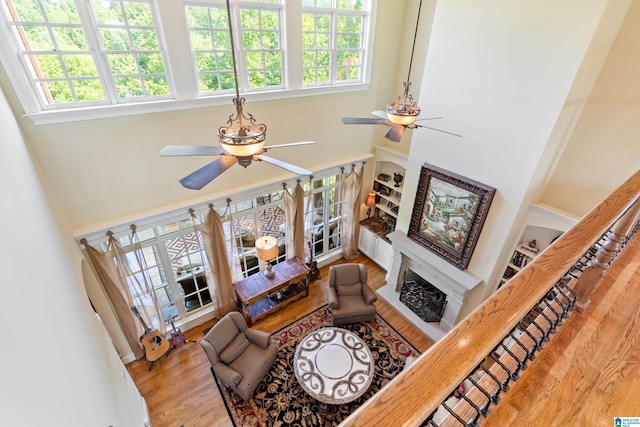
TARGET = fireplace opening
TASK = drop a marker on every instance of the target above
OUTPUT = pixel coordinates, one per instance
(424, 299)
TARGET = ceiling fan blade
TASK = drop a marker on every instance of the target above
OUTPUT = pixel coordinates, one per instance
(198, 179)
(363, 121)
(395, 133)
(380, 113)
(283, 165)
(429, 118)
(293, 144)
(439, 130)
(191, 150)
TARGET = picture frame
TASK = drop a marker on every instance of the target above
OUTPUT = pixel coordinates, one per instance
(448, 214)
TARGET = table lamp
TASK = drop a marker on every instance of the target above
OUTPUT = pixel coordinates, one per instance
(267, 249)
(370, 202)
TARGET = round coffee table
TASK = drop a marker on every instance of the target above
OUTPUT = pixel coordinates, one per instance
(333, 365)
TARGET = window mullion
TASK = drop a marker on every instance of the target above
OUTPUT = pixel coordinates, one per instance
(175, 35)
(293, 45)
(92, 35)
(241, 63)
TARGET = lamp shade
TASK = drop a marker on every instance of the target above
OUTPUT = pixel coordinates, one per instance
(267, 248)
(371, 199)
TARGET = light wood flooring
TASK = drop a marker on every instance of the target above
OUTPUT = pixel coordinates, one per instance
(180, 389)
(589, 372)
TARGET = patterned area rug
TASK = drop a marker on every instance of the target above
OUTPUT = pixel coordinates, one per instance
(279, 400)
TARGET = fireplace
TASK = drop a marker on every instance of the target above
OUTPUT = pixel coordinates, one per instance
(458, 290)
(424, 299)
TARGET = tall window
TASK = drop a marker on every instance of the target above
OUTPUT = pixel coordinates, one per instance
(118, 58)
(129, 40)
(259, 50)
(325, 194)
(65, 54)
(333, 35)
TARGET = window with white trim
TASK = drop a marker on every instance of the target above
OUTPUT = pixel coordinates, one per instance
(70, 54)
(333, 36)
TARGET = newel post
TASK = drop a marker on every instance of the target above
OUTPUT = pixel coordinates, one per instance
(611, 245)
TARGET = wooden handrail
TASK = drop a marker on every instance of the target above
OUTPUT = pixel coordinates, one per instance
(411, 397)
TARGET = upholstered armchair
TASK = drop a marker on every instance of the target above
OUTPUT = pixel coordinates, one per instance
(349, 297)
(240, 356)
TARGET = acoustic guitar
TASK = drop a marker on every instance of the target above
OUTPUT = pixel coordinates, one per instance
(314, 271)
(155, 345)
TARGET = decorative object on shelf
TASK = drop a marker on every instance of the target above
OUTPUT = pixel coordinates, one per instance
(397, 178)
(242, 141)
(448, 214)
(266, 250)
(370, 202)
(402, 112)
(385, 191)
(531, 246)
(384, 177)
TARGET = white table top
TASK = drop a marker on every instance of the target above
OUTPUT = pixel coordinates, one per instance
(333, 365)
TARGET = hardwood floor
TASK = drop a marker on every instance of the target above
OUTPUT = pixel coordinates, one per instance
(589, 373)
(180, 389)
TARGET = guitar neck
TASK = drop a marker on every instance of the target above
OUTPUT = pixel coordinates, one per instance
(147, 330)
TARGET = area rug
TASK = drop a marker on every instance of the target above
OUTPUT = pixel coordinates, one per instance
(279, 401)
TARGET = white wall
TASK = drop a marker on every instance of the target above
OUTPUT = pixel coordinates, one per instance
(604, 149)
(499, 72)
(57, 366)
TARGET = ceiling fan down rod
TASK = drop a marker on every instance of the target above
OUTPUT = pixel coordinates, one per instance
(413, 47)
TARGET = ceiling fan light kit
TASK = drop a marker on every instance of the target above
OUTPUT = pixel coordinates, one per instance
(404, 110)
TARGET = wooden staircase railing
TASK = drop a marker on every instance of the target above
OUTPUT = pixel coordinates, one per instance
(486, 351)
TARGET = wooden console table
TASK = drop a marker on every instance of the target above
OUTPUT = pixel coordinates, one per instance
(258, 294)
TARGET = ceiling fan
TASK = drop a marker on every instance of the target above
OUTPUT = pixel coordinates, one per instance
(241, 141)
(402, 112)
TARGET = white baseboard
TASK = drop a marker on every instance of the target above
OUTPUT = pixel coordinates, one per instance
(128, 358)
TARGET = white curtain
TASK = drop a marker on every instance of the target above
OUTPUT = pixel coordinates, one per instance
(236, 270)
(350, 187)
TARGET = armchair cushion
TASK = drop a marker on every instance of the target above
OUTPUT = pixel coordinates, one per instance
(349, 289)
(234, 349)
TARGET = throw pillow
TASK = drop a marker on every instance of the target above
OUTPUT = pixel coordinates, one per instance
(234, 349)
(349, 289)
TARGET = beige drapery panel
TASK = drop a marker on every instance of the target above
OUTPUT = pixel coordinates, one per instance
(125, 289)
(105, 270)
(350, 187)
(215, 248)
(297, 220)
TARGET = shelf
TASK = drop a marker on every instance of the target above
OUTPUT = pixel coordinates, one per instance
(388, 196)
(389, 184)
(392, 199)
(384, 208)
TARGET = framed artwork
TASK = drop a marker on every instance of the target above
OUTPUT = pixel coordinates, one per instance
(448, 214)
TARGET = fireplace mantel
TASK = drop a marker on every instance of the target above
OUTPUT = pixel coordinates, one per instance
(457, 284)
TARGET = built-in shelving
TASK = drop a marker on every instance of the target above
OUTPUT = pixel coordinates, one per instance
(383, 216)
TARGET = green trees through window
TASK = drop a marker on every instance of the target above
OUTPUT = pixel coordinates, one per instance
(91, 52)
